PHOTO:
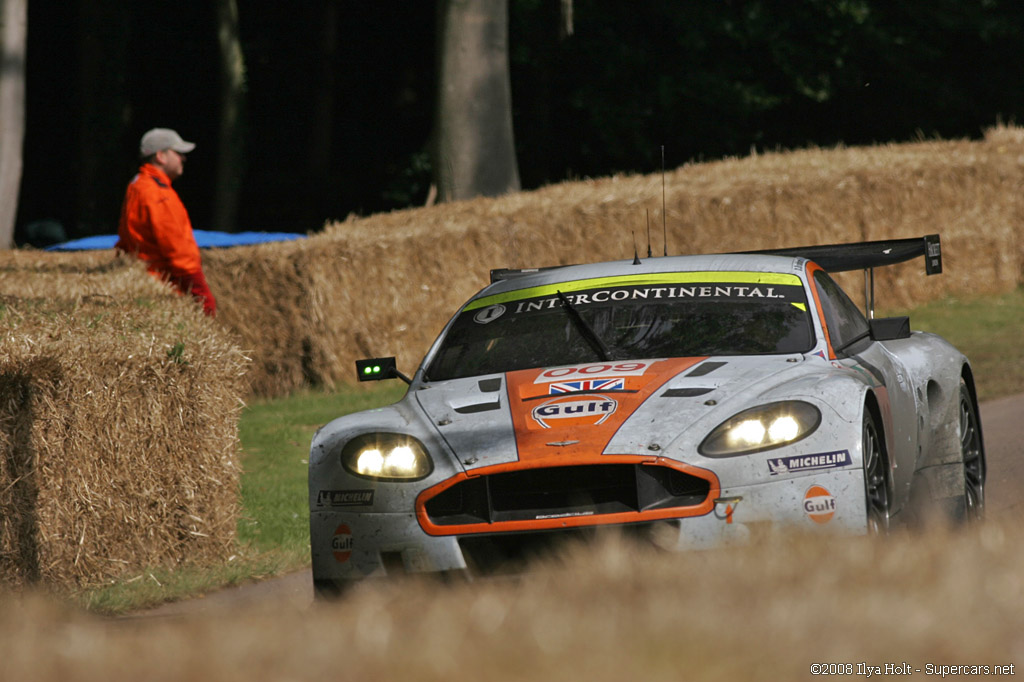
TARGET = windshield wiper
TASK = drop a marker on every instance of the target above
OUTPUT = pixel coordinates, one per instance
(585, 329)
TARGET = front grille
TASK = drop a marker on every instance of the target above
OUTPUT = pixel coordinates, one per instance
(555, 492)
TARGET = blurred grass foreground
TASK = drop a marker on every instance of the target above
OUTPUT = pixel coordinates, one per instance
(607, 611)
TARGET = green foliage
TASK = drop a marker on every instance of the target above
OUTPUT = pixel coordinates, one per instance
(177, 353)
(988, 331)
(704, 78)
(275, 437)
(152, 588)
(712, 79)
(412, 182)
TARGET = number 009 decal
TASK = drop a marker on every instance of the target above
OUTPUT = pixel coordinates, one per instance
(594, 371)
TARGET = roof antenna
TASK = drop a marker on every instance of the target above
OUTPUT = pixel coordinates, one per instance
(664, 226)
(636, 254)
(648, 233)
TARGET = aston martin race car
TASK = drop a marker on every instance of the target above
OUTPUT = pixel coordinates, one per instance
(706, 398)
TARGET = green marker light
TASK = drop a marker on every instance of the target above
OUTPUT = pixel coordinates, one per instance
(375, 369)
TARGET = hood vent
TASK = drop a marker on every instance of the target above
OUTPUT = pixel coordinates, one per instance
(705, 368)
(489, 385)
(685, 392)
(479, 407)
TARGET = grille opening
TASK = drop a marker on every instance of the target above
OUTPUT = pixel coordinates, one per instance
(463, 503)
(533, 494)
(562, 490)
(661, 487)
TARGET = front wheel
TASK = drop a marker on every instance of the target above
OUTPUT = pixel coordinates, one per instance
(876, 477)
(973, 452)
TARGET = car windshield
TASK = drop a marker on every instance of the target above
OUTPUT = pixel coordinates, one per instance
(683, 314)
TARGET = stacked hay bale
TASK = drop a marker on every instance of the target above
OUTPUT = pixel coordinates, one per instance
(386, 284)
(118, 423)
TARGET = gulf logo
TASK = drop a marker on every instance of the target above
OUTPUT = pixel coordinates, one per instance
(341, 544)
(819, 505)
(575, 411)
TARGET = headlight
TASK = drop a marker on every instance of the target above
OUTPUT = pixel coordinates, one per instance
(762, 428)
(386, 456)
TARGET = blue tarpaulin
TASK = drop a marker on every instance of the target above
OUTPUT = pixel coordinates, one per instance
(204, 238)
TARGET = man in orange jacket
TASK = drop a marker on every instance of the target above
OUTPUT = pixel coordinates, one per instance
(154, 224)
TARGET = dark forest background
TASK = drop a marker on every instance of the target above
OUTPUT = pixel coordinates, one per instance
(340, 94)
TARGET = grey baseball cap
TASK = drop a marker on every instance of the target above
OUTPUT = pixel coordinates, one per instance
(163, 138)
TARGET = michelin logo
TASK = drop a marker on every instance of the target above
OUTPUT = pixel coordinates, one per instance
(802, 463)
(344, 498)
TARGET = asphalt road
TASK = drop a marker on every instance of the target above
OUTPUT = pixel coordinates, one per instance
(1002, 423)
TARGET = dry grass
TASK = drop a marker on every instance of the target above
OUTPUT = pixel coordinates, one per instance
(610, 611)
(118, 428)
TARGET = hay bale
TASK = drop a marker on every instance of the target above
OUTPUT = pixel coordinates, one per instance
(118, 435)
(386, 284)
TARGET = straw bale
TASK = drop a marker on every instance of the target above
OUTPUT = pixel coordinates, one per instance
(386, 284)
(118, 435)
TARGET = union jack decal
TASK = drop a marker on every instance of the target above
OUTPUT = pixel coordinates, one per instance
(587, 385)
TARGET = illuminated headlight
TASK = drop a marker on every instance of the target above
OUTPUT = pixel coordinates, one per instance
(762, 428)
(386, 456)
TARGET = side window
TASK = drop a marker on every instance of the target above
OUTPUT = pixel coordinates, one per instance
(845, 321)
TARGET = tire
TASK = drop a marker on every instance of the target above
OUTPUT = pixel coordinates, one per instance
(973, 451)
(876, 477)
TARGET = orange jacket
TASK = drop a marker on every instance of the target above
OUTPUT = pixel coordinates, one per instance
(155, 226)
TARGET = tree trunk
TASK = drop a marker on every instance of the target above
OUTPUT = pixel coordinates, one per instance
(232, 95)
(13, 32)
(565, 26)
(474, 153)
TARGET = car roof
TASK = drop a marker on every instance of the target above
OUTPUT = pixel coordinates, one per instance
(511, 280)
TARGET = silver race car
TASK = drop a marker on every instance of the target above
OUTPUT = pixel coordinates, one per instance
(699, 399)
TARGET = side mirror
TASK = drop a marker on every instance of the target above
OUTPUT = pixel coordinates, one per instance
(378, 369)
(890, 328)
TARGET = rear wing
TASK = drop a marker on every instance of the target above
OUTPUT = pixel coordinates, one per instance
(867, 256)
